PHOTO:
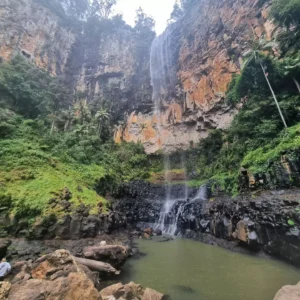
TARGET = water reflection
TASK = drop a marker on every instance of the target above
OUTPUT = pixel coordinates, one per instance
(188, 270)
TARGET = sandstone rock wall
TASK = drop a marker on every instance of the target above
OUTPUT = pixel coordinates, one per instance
(104, 59)
(206, 45)
(202, 51)
(33, 31)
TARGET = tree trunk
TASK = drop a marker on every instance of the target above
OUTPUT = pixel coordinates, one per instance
(274, 96)
(297, 84)
(52, 127)
(66, 126)
(97, 265)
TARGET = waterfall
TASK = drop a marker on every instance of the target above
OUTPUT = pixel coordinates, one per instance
(202, 193)
(163, 81)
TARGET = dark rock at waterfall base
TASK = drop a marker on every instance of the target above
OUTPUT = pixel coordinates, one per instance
(260, 220)
(78, 225)
(163, 239)
(22, 249)
(183, 288)
(4, 244)
(158, 232)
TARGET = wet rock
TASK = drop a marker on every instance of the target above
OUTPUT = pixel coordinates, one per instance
(165, 239)
(148, 231)
(4, 244)
(129, 291)
(157, 232)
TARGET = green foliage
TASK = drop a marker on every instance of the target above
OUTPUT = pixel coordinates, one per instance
(252, 81)
(28, 90)
(144, 24)
(291, 222)
(102, 8)
(176, 14)
(259, 158)
(44, 148)
(286, 12)
(255, 138)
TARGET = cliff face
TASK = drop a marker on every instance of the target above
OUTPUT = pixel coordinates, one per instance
(206, 47)
(34, 32)
(191, 64)
(101, 59)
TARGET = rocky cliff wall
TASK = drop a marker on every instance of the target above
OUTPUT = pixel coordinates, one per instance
(260, 220)
(101, 59)
(33, 31)
(192, 63)
(206, 46)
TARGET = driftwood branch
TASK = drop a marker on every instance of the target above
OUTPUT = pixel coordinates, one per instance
(97, 265)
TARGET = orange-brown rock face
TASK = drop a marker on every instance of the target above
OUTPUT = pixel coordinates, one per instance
(208, 44)
(103, 62)
(31, 30)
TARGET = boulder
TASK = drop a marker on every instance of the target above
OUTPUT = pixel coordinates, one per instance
(150, 294)
(288, 292)
(115, 255)
(241, 231)
(4, 289)
(148, 231)
(157, 232)
(4, 244)
(129, 291)
(76, 286)
(53, 277)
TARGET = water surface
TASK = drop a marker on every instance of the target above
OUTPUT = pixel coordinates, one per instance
(188, 270)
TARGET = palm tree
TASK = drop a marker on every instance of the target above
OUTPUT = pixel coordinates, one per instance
(256, 47)
(101, 116)
(53, 118)
(67, 117)
(82, 112)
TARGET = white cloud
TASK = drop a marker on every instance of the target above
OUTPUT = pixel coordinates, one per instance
(160, 10)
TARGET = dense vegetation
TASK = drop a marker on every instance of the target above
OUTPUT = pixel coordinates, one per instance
(50, 140)
(257, 137)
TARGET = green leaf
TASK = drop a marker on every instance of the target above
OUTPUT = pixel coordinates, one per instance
(291, 222)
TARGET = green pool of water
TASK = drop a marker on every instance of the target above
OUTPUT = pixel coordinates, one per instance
(188, 270)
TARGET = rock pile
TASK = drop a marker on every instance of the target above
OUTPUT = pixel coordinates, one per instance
(59, 275)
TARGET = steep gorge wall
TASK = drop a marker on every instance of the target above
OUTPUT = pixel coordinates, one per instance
(206, 46)
(100, 59)
(201, 53)
(31, 30)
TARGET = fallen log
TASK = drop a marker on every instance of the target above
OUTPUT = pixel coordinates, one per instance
(115, 255)
(97, 265)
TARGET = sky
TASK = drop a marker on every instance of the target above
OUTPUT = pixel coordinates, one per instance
(160, 10)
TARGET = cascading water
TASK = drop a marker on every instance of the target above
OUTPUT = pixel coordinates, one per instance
(163, 80)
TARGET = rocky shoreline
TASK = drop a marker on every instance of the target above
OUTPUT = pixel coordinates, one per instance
(60, 275)
(264, 223)
(255, 221)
